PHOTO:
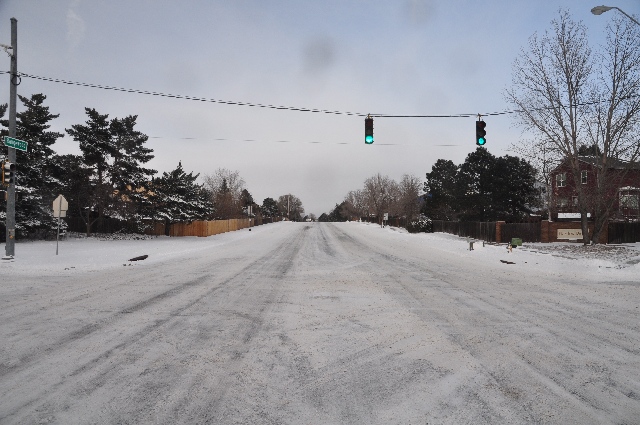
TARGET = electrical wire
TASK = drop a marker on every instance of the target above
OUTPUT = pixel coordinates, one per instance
(287, 108)
(237, 103)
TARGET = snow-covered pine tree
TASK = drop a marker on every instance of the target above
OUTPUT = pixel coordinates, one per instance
(35, 185)
(177, 198)
(128, 176)
(98, 147)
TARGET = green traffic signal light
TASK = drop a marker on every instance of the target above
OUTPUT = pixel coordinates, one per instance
(481, 133)
(368, 130)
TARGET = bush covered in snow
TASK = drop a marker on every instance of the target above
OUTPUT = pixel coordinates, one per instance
(421, 224)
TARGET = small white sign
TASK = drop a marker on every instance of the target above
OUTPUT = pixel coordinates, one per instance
(570, 234)
(60, 207)
(386, 216)
(572, 215)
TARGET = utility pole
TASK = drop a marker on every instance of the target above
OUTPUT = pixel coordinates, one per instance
(10, 224)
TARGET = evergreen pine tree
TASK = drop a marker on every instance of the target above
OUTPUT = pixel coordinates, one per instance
(514, 188)
(177, 198)
(35, 185)
(269, 207)
(475, 186)
(97, 148)
(441, 200)
(128, 177)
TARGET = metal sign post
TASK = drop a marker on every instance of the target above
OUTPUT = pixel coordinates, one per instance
(60, 207)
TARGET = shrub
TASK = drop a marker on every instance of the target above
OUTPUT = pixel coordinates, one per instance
(421, 224)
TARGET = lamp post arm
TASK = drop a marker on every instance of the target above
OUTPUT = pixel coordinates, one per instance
(625, 14)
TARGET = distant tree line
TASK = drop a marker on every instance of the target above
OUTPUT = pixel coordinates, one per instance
(379, 195)
(483, 188)
(109, 180)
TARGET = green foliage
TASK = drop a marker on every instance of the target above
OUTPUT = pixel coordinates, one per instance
(114, 179)
(177, 198)
(441, 200)
(339, 212)
(245, 198)
(483, 188)
(269, 207)
(476, 185)
(35, 183)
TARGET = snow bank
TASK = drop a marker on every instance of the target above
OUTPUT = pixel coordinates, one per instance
(86, 254)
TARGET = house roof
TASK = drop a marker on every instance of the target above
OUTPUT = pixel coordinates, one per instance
(613, 162)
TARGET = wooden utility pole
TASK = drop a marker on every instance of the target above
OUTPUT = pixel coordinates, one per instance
(11, 189)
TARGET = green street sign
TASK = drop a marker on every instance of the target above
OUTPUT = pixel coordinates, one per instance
(21, 145)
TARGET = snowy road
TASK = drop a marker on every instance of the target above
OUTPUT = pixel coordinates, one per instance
(320, 323)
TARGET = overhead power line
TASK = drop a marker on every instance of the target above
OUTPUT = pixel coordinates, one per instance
(285, 108)
(237, 103)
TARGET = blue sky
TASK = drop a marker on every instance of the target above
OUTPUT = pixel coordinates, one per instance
(423, 57)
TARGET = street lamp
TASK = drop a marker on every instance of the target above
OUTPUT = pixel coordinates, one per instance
(599, 10)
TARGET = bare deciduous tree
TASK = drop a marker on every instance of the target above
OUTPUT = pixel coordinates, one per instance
(225, 187)
(379, 191)
(543, 157)
(569, 99)
(355, 204)
(614, 127)
(409, 190)
(290, 206)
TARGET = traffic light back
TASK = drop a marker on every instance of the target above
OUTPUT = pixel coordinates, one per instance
(8, 169)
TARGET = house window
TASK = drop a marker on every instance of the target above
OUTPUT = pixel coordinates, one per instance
(561, 180)
(562, 202)
(629, 201)
(583, 176)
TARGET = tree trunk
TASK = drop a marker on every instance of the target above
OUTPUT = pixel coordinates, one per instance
(88, 222)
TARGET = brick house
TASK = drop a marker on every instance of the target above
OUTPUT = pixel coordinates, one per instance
(625, 187)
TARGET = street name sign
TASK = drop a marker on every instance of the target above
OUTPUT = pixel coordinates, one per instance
(21, 145)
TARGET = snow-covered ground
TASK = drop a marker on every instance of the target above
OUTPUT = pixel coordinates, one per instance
(78, 252)
(297, 323)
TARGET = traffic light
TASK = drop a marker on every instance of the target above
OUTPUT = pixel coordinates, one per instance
(368, 130)
(8, 169)
(481, 133)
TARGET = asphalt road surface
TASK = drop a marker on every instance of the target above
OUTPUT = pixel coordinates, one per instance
(318, 323)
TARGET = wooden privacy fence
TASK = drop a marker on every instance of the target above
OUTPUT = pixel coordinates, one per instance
(544, 231)
(472, 229)
(528, 232)
(207, 228)
(624, 232)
